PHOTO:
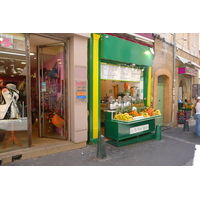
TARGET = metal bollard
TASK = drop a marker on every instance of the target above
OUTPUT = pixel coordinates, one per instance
(101, 149)
(186, 125)
(158, 132)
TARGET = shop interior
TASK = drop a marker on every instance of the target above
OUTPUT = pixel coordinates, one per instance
(117, 93)
(47, 100)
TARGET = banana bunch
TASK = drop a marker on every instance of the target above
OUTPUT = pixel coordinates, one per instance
(156, 112)
(124, 117)
(144, 114)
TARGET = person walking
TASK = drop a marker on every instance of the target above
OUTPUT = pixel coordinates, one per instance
(197, 116)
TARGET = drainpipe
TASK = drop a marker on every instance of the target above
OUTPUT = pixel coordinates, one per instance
(173, 79)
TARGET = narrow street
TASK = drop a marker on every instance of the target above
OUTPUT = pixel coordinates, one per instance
(177, 148)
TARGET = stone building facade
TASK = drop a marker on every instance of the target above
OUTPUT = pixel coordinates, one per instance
(173, 51)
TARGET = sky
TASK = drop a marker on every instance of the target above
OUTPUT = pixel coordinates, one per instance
(99, 16)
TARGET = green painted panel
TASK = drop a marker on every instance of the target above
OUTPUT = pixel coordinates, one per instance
(117, 49)
(145, 75)
(160, 103)
(117, 130)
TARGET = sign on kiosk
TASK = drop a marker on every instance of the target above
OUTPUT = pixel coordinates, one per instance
(114, 72)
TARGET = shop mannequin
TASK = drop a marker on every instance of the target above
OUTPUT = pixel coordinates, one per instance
(9, 110)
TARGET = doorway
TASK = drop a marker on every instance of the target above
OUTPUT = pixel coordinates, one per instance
(160, 100)
(48, 87)
(51, 91)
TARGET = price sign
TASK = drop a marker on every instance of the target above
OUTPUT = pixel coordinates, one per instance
(81, 91)
(138, 129)
(114, 72)
(182, 116)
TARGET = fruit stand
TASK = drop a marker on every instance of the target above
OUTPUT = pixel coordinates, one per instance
(123, 132)
(186, 110)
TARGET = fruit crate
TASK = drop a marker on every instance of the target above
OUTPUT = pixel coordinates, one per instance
(127, 132)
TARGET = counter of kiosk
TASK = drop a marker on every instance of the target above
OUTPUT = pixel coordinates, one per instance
(123, 133)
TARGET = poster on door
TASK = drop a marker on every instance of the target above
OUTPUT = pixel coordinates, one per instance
(44, 87)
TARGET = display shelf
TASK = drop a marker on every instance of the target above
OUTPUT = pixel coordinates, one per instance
(127, 132)
(186, 109)
(136, 121)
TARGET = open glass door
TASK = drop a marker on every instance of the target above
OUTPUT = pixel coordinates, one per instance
(51, 86)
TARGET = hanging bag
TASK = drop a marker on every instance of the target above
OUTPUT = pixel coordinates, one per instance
(57, 121)
(54, 71)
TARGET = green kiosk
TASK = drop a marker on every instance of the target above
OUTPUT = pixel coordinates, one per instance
(112, 52)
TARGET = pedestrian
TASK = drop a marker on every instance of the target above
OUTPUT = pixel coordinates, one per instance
(197, 116)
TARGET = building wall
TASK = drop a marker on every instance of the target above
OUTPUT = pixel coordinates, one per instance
(77, 71)
(163, 65)
(187, 49)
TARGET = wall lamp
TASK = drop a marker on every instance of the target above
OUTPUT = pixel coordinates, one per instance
(147, 52)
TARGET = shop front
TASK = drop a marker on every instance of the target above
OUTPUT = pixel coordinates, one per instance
(187, 92)
(120, 83)
(45, 79)
(13, 105)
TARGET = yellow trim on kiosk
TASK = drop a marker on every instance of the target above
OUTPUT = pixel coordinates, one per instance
(95, 90)
(149, 86)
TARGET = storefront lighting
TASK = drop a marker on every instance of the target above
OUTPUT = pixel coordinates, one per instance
(147, 52)
(141, 38)
(23, 63)
(11, 53)
(17, 54)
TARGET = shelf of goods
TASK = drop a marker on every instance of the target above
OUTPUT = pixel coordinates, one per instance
(187, 111)
(123, 133)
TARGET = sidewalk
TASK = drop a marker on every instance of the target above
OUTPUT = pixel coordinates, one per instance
(177, 148)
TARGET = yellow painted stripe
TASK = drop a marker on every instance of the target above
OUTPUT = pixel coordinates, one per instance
(149, 87)
(95, 89)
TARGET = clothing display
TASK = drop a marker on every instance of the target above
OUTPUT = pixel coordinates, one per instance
(9, 110)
